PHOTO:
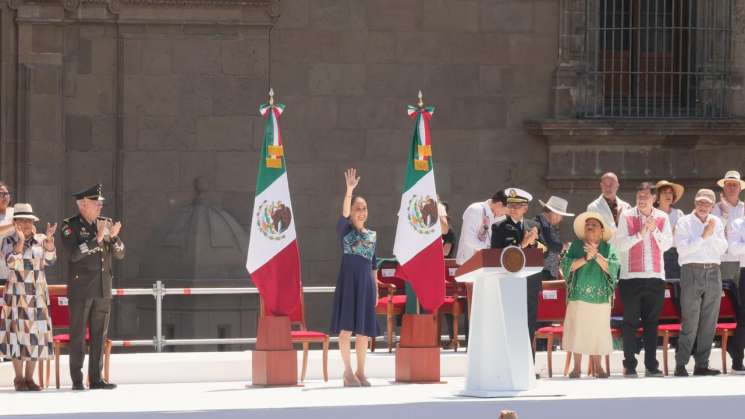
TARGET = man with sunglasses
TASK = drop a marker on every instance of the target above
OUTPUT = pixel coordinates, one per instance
(91, 242)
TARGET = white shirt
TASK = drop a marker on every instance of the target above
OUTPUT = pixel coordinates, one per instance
(728, 214)
(601, 206)
(736, 238)
(473, 223)
(623, 242)
(674, 215)
(692, 248)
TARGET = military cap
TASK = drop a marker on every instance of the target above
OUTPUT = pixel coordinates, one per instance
(94, 193)
(517, 196)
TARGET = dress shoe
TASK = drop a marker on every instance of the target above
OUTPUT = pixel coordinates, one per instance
(680, 371)
(629, 373)
(705, 371)
(102, 385)
(20, 384)
(78, 386)
(737, 370)
(654, 373)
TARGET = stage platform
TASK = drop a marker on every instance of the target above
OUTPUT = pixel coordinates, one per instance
(217, 385)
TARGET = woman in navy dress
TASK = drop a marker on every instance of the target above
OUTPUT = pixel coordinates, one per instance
(356, 289)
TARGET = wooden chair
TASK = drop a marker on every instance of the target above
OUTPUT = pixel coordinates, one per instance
(391, 299)
(552, 307)
(60, 314)
(455, 301)
(726, 325)
(304, 336)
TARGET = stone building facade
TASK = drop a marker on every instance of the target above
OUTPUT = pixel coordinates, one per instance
(158, 99)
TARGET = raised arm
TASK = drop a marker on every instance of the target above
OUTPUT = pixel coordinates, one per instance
(350, 176)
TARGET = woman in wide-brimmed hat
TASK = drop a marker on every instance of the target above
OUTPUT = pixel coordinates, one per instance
(668, 194)
(590, 268)
(25, 325)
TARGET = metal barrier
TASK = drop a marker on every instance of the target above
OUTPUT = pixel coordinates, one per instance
(159, 291)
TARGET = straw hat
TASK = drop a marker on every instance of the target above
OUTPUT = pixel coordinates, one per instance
(732, 175)
(557, 205)
(678, 190)
(22, 210)
(579, 225)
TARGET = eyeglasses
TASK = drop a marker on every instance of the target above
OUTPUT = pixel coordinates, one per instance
(4, 194)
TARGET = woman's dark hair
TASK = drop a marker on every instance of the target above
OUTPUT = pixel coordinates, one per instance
(355, 198)
(659, 192)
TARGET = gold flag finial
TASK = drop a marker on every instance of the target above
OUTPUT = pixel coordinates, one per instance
(420, 102)
(271, 96)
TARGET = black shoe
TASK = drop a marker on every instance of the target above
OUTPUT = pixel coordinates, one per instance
(629, 373)
(654, 373)
(705, 371)
(680, 371)
(102, 385)
(78, 385)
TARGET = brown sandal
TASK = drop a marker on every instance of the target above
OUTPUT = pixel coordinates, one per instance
(32, 386)
(20, 384)
(575, 374)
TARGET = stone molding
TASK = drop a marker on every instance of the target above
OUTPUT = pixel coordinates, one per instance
(598, 128)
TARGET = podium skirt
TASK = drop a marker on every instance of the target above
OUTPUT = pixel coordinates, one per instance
(587, 328)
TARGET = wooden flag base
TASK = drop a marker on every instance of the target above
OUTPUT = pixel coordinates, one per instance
(418, 353)
(274, 361)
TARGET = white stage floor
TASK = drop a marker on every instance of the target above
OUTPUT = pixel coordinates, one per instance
(214, 385)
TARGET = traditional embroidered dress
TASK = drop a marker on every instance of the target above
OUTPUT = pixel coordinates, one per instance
(25, 325)
(589, 292)
(354, 298)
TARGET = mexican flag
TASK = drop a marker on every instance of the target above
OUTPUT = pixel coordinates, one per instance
(273, 256)
(418, 244)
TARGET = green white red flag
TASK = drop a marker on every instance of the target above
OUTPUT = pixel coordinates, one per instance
(273, 256)
(418, 243)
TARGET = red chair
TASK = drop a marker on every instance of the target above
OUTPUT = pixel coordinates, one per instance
(60, 314)
(726, 329)
(552, 307)
(455, 300)
(304, 336)
(391, 299)
(671, 314)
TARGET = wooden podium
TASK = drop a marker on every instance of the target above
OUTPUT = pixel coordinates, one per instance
(500, 361)
(274, 361)
(418, 352)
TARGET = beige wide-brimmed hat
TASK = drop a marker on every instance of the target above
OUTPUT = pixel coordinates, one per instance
(579, 225)
(557, 205)
(23, 210)
(678, 190)
(732, 175)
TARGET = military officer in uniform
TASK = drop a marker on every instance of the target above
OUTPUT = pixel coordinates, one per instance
(516, 230)
(91, 242)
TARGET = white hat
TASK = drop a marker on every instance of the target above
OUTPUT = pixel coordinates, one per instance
(579, 225)
(21, 210)
(517, 196)
(557, 205)
(732, 175)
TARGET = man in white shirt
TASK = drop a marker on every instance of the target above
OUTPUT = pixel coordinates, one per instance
(642, 237)
(609, 205)
(728, 209)
(475, 233)
(700, 240)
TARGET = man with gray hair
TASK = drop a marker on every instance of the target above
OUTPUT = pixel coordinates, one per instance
(699, 237)
(608, 204)
(90, 241)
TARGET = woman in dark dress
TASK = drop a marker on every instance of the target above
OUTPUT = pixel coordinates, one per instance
(356, 288)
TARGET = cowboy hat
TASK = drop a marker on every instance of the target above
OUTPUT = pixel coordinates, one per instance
(579, 225)
(557, 205)
(22, 210)
(732, 175)
(678, 190)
